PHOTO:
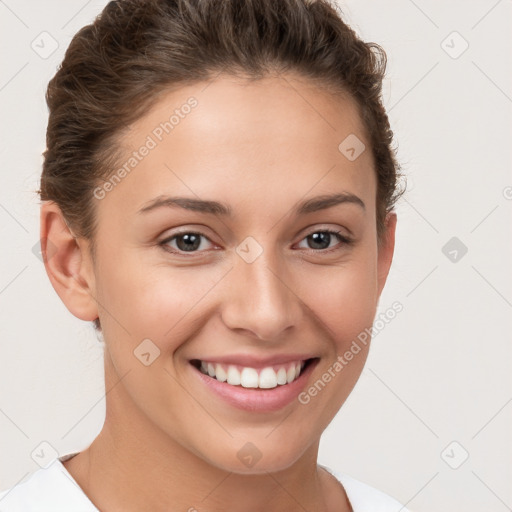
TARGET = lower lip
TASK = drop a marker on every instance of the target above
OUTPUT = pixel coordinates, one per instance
(256, 399)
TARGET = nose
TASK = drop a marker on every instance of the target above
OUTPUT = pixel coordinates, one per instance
(260, 298)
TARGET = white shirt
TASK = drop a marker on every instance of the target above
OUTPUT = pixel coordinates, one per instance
(53, 489)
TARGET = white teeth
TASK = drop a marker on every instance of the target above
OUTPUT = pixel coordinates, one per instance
(281, 376)
(249, 378)
(233, 376)
(267, 378)
(220, 374)
(290, 374)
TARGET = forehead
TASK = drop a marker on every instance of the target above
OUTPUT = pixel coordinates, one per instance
(261, 143)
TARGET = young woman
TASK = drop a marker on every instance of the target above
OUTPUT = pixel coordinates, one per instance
(217, 196)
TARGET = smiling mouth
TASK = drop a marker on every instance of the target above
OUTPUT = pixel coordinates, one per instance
(246, 377)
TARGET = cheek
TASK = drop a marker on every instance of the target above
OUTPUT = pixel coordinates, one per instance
(153, 301)
(160, 301)
(344, 298)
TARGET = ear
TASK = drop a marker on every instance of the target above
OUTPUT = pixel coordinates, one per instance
(385, 251)
(68, 263)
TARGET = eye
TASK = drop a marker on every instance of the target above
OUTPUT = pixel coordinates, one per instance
(191, 241)
(187, 241)
(321, 240)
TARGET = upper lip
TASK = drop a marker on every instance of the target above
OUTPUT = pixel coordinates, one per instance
(250, 361)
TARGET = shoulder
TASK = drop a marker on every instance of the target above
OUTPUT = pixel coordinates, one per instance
(49, 489)
(364, 497)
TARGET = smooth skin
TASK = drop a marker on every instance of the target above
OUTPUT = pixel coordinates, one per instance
(168, 443)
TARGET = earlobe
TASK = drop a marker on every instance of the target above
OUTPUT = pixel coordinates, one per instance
(68, 264)
(386, 251)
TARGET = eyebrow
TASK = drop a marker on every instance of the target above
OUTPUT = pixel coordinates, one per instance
(216, 208)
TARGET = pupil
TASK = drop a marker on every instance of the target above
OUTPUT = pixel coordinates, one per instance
(191, 242)
(317, 239)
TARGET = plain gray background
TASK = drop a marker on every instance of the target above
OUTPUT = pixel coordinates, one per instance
(430, 417)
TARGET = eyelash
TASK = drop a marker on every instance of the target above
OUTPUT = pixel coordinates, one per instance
(345, 241)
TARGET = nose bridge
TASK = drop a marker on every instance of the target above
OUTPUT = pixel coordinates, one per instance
(259, 299)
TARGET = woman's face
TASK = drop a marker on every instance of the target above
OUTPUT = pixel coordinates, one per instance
(264, 281)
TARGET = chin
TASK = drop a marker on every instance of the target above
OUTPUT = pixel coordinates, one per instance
(256, 458)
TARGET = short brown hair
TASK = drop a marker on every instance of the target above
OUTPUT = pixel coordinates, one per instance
(115, 68)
